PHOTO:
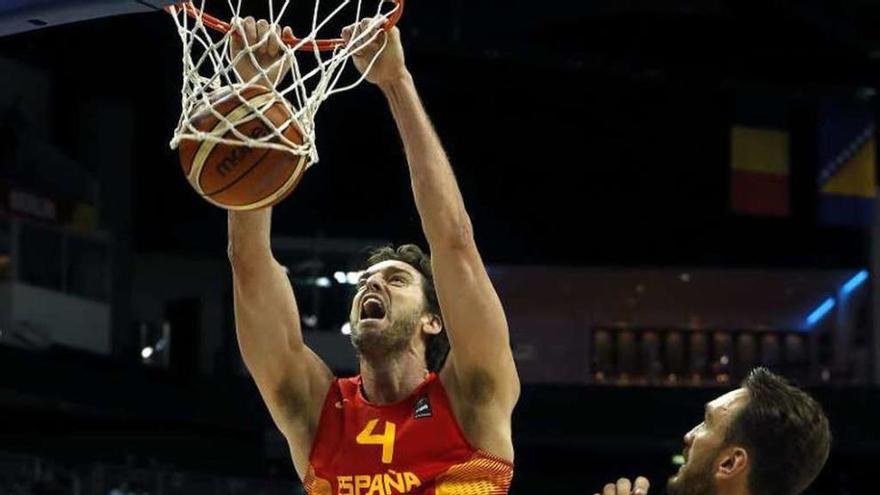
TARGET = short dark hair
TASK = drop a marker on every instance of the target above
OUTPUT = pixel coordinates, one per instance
(437, 346)
(784, 431)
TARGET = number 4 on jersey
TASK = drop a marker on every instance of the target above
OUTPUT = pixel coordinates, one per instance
(386, 439)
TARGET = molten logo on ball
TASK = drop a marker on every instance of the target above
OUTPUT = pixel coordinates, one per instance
(251, 174)
(238, 153)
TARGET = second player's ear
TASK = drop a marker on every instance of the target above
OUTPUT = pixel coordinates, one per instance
(733, 463)
(432, 324)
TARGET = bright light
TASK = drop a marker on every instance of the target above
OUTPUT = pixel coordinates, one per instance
(678, 460)
(821, 311)
(146, 352)
(340, 277)
(310, 321)
(854, 283)
(353, 277)
(322, 282)
(346, 329)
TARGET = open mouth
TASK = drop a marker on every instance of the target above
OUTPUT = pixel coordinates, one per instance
(372, 308)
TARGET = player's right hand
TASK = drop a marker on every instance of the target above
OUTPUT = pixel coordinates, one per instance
(625, 487)
(248, 34)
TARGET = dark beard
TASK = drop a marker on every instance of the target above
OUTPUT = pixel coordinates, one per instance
(388, 343)
(693, 480)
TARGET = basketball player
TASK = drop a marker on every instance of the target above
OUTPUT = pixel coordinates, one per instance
(414, 420)
(765, 438)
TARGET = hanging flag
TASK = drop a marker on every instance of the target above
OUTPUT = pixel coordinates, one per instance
(847, 157)
(760, 170)
(759, 158)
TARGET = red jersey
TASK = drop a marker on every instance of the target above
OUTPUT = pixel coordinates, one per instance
(414, 446)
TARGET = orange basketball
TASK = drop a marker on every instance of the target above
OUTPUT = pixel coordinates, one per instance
(238, 177)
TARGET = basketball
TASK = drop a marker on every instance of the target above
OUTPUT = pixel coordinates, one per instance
(238, 177)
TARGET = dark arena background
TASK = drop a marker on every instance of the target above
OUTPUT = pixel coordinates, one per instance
(667, 193)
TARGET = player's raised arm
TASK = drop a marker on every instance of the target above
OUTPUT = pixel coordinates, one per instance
(292, 380)
(480, 372)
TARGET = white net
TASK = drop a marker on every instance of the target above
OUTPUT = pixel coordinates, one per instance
(310, 69)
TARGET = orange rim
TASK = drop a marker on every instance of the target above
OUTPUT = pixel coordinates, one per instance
(323, 45)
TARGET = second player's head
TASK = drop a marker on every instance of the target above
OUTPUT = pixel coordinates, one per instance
(395, 309)
(766, 438)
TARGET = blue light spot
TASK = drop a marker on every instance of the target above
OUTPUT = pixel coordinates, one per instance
(855, 282)
(821, 311)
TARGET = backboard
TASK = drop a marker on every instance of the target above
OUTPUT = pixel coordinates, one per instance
(17, 16)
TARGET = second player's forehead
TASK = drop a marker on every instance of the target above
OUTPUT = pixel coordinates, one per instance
(728, 404)
(389, 267)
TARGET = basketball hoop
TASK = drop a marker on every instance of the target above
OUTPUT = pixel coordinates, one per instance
(297, 43)
(316, 64)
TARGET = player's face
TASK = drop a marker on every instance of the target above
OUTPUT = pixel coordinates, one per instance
(703, 446)
(388, 306)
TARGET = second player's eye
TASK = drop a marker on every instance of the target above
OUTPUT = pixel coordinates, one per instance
(397, 280)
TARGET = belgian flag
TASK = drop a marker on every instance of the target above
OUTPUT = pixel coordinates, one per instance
(760, 163)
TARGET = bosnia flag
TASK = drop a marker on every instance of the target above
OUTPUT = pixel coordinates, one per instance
(847, 168)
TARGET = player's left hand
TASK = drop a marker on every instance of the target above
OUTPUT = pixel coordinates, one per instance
(625, 487)
(390, 64)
